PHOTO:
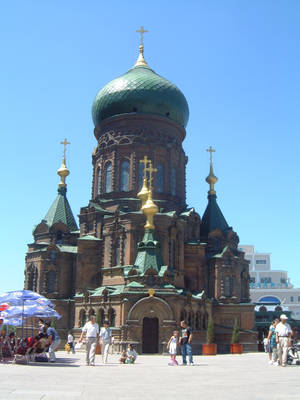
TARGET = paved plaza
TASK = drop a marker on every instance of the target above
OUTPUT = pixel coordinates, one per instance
(224, 377)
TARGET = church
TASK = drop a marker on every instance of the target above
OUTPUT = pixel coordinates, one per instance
(138, 256)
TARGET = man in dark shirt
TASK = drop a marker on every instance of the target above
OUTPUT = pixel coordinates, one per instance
(185, 342)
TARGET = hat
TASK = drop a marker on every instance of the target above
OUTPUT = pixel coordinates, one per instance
(283, 316)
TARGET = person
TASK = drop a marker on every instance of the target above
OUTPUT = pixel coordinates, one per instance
(41, 324)
(53, 339)
(283, 339)
(271, 343)
(91, 329)
(1, 340)
(123, 357)
(131, 355)
(186, 343)
(105, 341)
(70, 342)
(172, 347)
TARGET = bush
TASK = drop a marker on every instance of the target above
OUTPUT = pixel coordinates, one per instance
(210, 331)
(235, 333)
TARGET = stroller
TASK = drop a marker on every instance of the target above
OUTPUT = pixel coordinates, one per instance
(293, 354)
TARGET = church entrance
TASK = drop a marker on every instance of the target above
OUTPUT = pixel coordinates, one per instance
(150, 335)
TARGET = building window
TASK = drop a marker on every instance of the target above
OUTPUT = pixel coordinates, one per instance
(252, 279)
(261, 261)
(117, 252)
(227, 286)
(100, 317)
(111, 317)
(32, 278)
(141, 175)
(283, 281)
(160, 178)
(98, 181)
(265, 280)
(292, 299)
(108, 177)
(173, 181)
(298, 299)
(53, 255)
(172, 253)
(124, 177)
(50, 282)
(59, 237)
(82, 318)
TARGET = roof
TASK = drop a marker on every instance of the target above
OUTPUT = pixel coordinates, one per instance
(141, 90)
(213, 218)
(88, 237)
(60, 211)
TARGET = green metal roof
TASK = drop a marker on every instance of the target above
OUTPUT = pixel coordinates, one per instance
(88, 237)
(60, 211)
(64, 248)
(141, 90)
(148, 254)
(213, 217)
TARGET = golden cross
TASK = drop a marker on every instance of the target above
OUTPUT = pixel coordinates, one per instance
(142, 31)
(65, 142)
(150, 169)
(210, 150)
(145, 161)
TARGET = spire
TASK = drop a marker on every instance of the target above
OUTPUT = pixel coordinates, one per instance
(63, 171)
(60, 210)
(149, 208)
(141, 61)
(211, 179)
(212, 217)
(148, 250)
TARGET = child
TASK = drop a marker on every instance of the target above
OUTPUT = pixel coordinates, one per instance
(70, 343)
(123, 357)
(131, 355)
(172, 346)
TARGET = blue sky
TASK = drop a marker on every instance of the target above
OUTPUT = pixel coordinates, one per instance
(237, 62)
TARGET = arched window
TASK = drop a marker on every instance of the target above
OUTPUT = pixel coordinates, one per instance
(32, 278)
(100, 317)
(173, 179)
(98, 180)
(190, 320)
(82, 318)
(172, 253)
(111, 317)
(124, 176)
(59, 237)
(160, 178)
(182, 315)
(108, 177)
(198, 321)
(227, 286)
(50, 282)
(117, 252)
(91, 312)
(141, 175)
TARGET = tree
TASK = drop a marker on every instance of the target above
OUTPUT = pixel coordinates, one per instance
(210, 331)
(235, 333)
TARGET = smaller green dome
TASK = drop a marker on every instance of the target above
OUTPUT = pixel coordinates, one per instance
(141, 90)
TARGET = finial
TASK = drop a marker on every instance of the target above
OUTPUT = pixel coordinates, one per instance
(143, 193)
(149, 208)
(63, 171)
(141, 61)
(211, 179)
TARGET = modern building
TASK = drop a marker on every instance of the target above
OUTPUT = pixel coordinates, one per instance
(270, 286)
(143, 279)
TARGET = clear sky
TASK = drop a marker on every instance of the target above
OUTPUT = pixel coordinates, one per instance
(238, 64)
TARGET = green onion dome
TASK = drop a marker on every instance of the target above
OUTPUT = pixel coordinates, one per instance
(141, 90)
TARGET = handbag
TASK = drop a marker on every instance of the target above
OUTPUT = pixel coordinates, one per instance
(19, 359)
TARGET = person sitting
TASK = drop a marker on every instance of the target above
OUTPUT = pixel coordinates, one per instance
(131, 355)
(123, 357)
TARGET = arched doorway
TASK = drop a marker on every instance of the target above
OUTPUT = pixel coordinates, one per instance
(150, 335)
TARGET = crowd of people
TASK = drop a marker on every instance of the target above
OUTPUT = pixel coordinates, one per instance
(279, 342)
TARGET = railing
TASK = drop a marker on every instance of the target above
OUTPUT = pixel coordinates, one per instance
(270, 286)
